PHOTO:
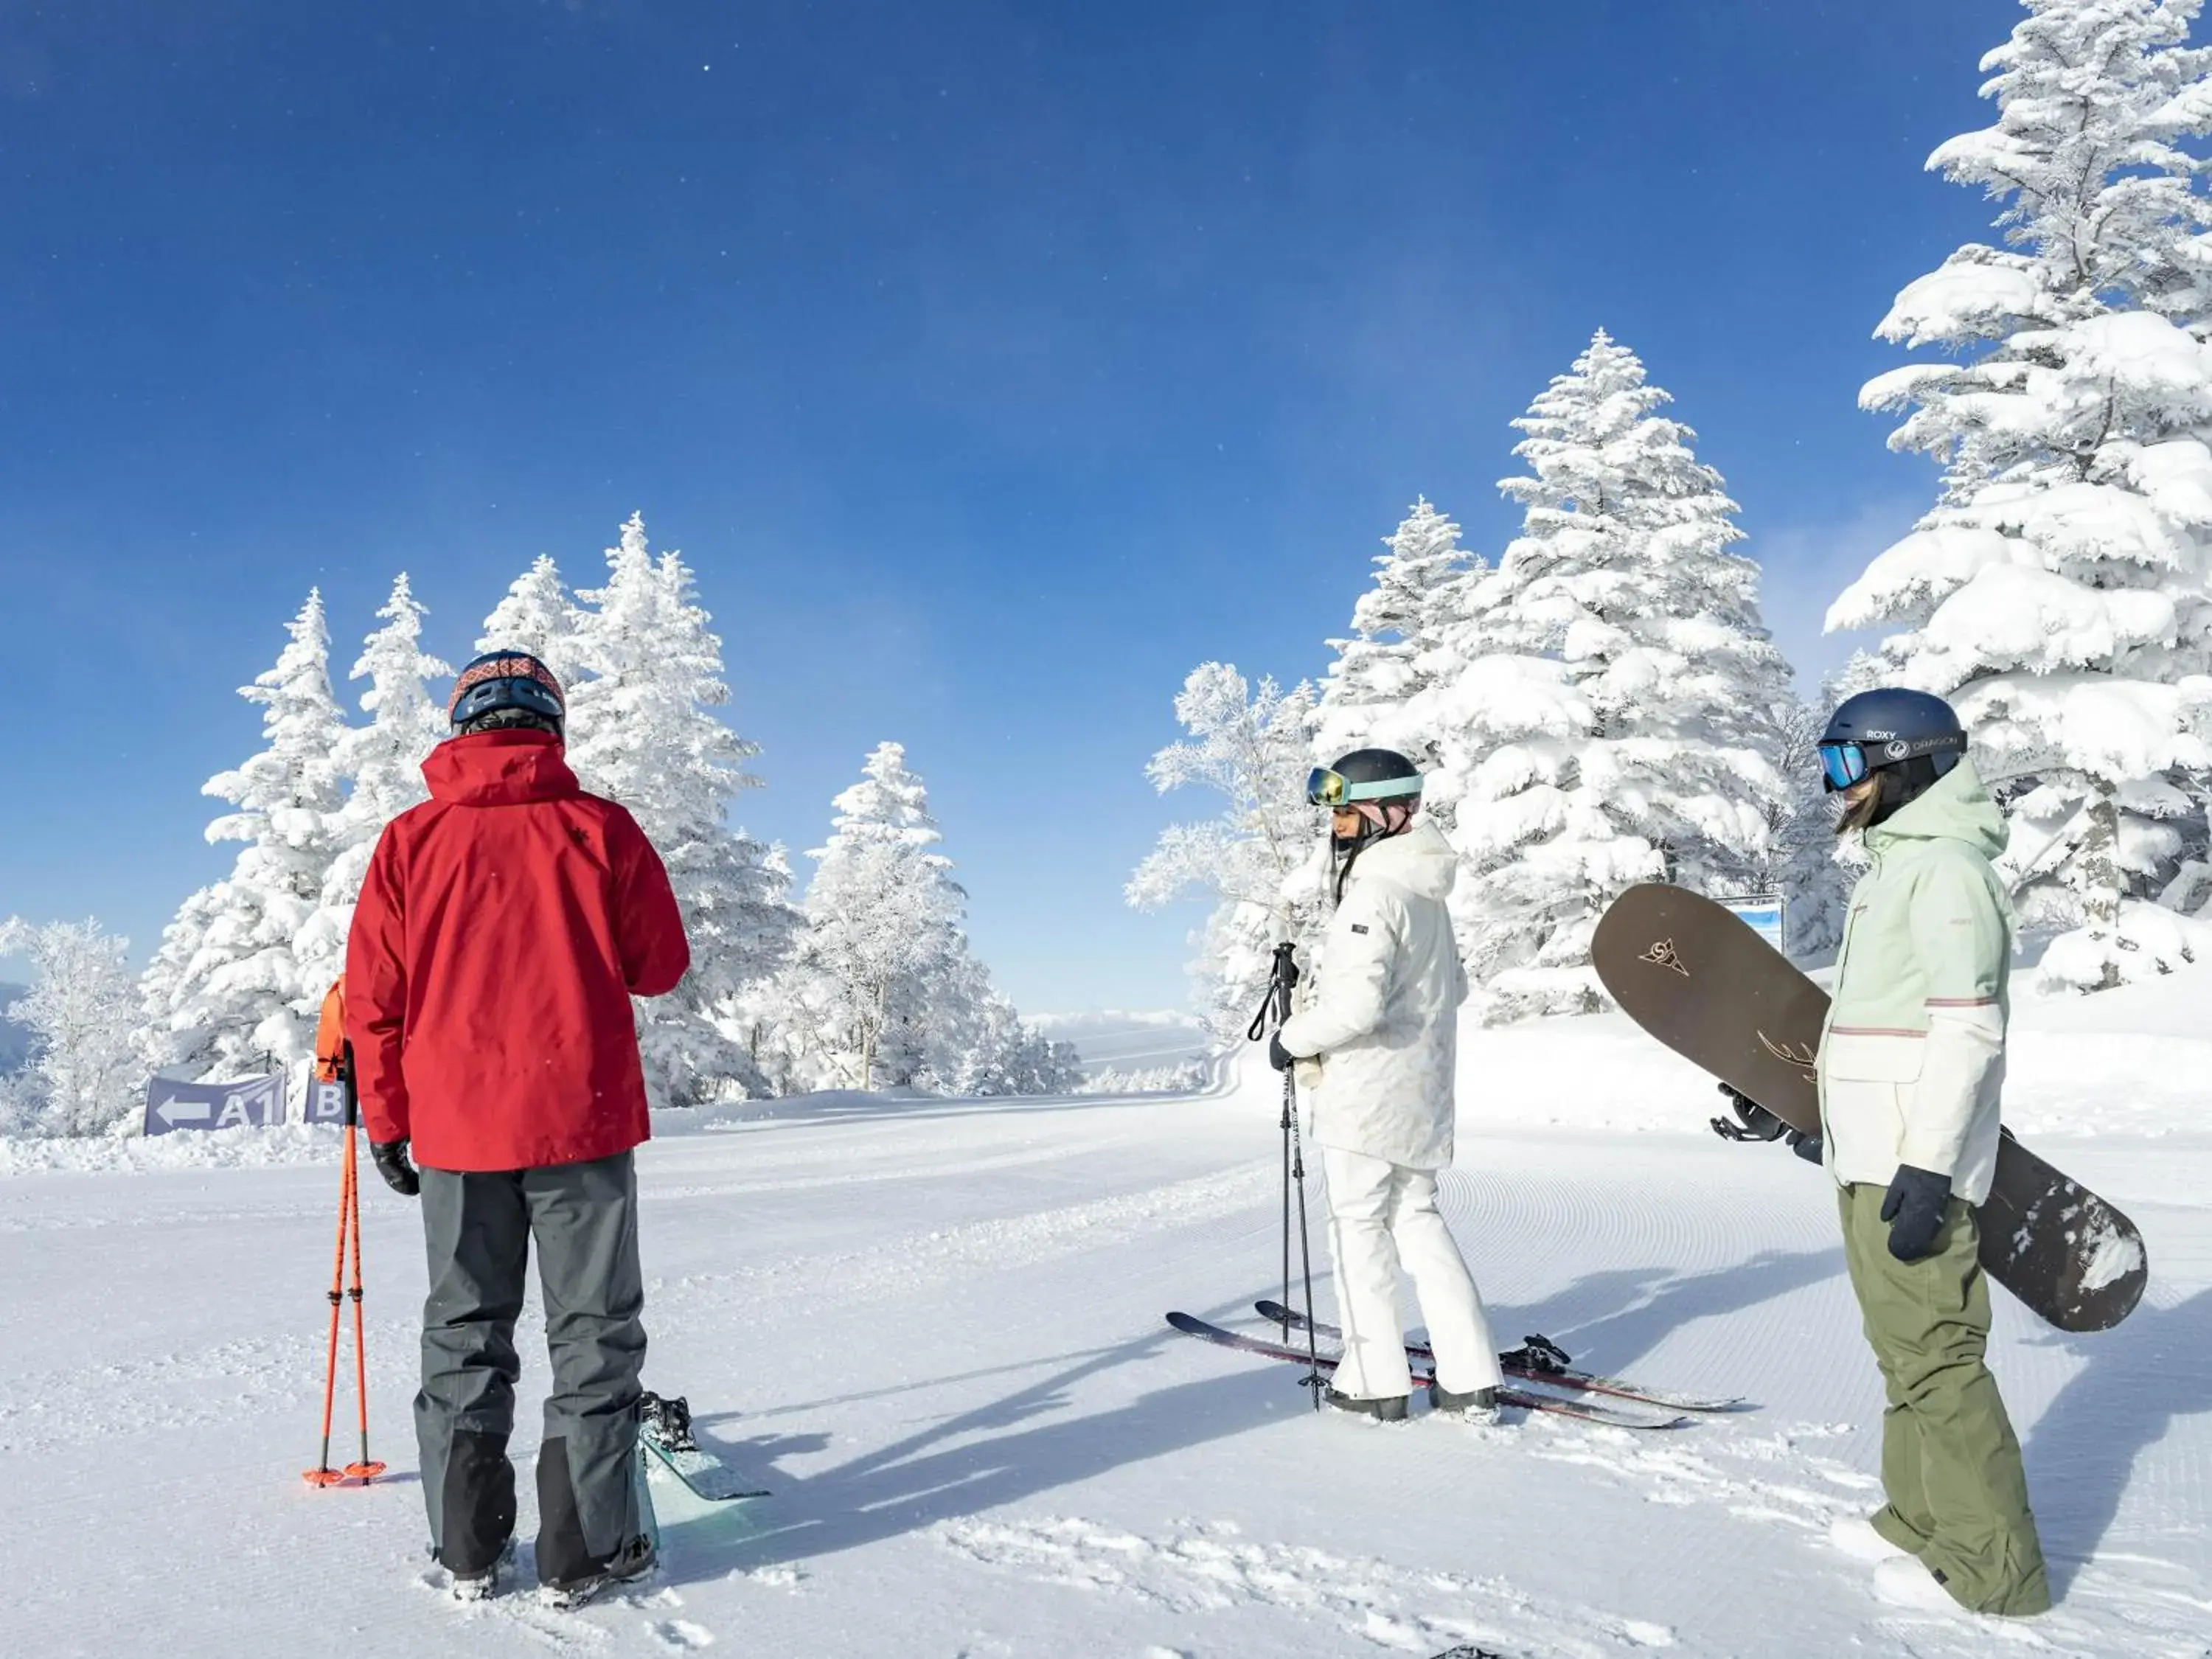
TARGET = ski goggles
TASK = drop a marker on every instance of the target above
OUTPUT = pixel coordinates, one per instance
(1843, 764)
(1327, 787)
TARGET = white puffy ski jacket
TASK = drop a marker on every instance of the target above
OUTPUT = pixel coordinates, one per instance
(1384, 1013)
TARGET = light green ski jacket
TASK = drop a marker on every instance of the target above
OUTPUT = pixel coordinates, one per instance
(1911, 1062)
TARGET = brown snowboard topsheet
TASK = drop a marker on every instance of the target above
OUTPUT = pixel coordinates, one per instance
(1699, 978)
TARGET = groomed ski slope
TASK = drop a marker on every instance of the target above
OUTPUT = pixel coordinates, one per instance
(934, 1328)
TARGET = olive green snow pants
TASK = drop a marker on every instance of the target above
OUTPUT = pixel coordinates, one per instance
(1950, 1462)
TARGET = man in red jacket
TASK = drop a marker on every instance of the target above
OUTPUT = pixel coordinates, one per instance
(502, 929)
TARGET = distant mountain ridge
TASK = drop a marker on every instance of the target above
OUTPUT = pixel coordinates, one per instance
(1128, 1041)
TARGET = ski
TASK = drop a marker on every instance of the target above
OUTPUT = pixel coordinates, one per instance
(1616, 1417)
(664, 1434)
(1541, 1361)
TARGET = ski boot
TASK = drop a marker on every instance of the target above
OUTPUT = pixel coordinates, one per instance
(633, 1561)
(483, 1583)
(1475, 1406)
(1390, 1409)
(666, 1423)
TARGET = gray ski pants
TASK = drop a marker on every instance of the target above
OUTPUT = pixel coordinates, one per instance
(478, 1228)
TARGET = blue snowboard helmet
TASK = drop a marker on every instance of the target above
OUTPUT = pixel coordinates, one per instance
(1890, 727)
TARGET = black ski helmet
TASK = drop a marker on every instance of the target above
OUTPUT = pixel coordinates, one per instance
(1907, 739)
(1375, 774)
(506, 682)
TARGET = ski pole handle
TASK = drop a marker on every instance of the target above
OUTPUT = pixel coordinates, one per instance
(1281, 978)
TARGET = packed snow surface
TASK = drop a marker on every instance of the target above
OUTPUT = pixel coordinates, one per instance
(933, 1329)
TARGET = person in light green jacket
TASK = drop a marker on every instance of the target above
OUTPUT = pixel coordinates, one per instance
(1910, 1067)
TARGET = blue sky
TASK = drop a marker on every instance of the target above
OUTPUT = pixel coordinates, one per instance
(994, 363)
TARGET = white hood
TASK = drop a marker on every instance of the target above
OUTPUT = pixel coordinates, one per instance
(1420, 861)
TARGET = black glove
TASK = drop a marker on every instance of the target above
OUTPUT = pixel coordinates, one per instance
(1914, 1207)
(1278, 1057)
(1758, 1123)
(389, 1157)
(1805, 1146)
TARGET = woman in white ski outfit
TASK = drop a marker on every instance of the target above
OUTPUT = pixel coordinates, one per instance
(1382, 1023)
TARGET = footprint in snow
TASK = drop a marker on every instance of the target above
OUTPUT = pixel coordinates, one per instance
(680, 1635)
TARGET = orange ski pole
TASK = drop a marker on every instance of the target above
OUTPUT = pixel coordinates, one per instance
(322, 1474)
(366, 1469)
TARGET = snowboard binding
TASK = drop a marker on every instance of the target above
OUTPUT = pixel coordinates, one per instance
(667, 1423)
(1757, 1122)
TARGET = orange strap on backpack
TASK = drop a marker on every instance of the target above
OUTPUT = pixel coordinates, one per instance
(329, 1035)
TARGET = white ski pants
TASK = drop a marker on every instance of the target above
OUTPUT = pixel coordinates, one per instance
(1383, 1216)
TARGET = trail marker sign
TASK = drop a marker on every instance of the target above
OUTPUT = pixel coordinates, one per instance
(325, 1102)
(251, 1103)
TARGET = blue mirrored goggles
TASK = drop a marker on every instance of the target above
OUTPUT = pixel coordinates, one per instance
(1327, 787)
(1843, 764)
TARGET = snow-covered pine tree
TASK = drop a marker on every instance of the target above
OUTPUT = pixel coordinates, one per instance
(382, 763)
(980, 1045)
(224, 994)
(537, 616)
(83, 1076)
(1264, 858)
(1613, 716)
(640, 732)
(1421, 579)
(2057, 593)
(883, 989)
(1803, 865)
(883, 932)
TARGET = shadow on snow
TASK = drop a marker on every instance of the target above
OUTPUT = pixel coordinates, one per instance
(1020, 1444)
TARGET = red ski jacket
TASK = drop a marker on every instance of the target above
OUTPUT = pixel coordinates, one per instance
(504, 926)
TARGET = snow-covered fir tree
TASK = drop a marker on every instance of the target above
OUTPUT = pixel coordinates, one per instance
(225, 994)
(984, 1047)
(883, 931)
(642, 732)
(537, 616)
(83, 1075)
(885, 990)
(1421, 581)
(2057, 592)
(1263, 859)
(1612, 716)
(1802, 863)
(382, 765)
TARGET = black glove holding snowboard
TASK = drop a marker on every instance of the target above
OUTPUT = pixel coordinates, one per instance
(389, 1157)
(1914, 1207)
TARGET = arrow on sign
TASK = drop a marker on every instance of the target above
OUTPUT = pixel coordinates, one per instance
(173, 1112)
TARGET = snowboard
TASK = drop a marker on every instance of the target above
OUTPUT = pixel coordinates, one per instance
(705, 1475)
(1696, 977)
(666, 1444)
